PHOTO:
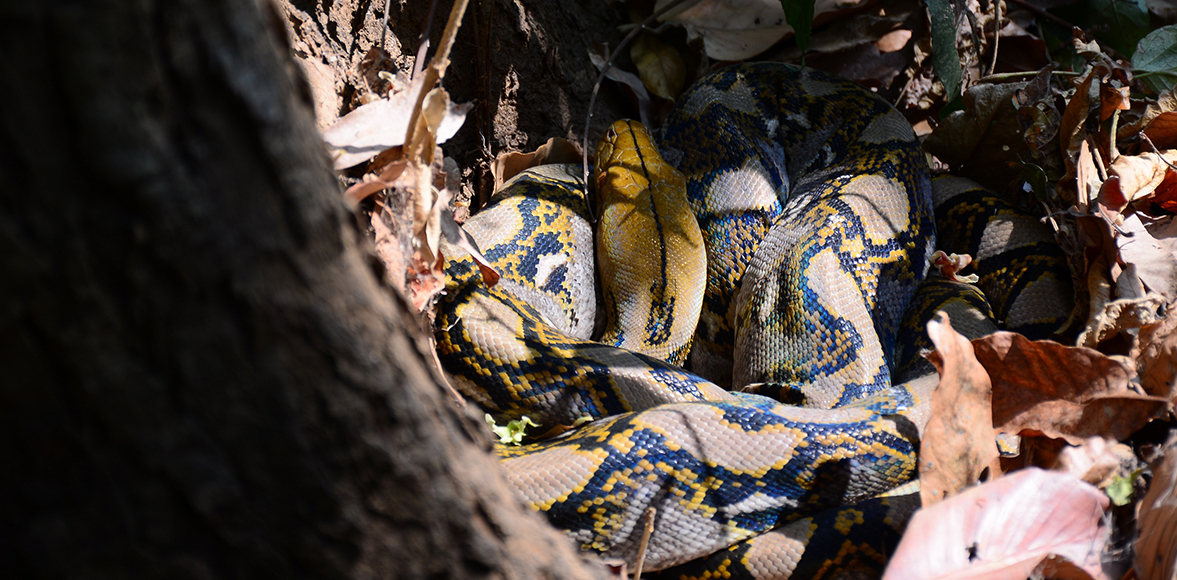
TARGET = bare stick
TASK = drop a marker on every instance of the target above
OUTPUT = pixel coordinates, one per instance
(996, 34)
(646, 531)
(437, 66)
(423, 44)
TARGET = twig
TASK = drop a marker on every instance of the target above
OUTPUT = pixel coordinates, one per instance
(588, 121)
(1154, 150)
(646, 531)
(996, 34)
(1009, 76)
(437, 66)
(423, 44)
(384, 25)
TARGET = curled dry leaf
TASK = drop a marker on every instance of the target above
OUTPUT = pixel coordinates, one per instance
(1155, 356)
(1007, 529)
(1111, 317)
(389, 177)
(957, 444)
(1158, 121)
(512, 163)
(1161, 121)
(1072, 393)
(1072, 133)
(1156, 520)
(1142, 175)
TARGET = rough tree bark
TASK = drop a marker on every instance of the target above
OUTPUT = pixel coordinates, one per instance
(201, 375)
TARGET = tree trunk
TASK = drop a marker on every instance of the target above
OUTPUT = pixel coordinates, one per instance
(202, 376)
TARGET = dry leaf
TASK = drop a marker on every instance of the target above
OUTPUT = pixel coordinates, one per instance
(659, 65)
(1007, 529)
(389, 177)
(1072, 393)
(599, 55)
(1156, 520)
(1087, 176)
(1158, 121)
(1107, 317)
(985, 138)
(1155, 258)
(1155, 356)
(512, 163)
(739, 29)
(957, 445)
(1140, 175)
(363, 133)
(1071, 131)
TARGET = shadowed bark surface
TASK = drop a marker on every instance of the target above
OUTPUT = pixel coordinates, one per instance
(202, 377)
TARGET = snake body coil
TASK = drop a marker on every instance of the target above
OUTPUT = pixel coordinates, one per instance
(814, 207)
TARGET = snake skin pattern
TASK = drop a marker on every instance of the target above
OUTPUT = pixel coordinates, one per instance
(1023, 273)
(839, 174)
(814, 207)
(649, 249)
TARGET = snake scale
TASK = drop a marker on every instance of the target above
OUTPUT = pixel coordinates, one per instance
(802, 233)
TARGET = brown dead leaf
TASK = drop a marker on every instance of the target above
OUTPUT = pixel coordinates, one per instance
(1072, 393)
(1117, 316)
(984, 140)
(659, 65)
(512, 163)
(1158, 121)
(740, 30)
(1154, 256)
(1088, 178)
(1156, 520)
(1155, 356)
(1072, 133)
(1113, 94)
(1141, 175)
(957, 445)
(1007, 529)
(389, 176)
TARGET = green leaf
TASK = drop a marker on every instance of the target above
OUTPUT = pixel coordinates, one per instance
(944, 58)
(799, 15)
(1155, 60)
(1127, 22)
(513, 432)
(1121, 488)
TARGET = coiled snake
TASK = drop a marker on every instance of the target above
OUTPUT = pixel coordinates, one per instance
(815, 213)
